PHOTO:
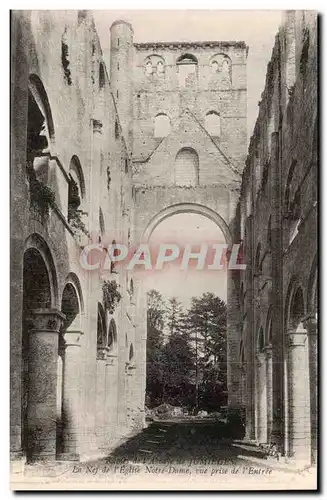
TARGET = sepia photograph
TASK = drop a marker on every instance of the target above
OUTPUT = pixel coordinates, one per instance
(164, 250)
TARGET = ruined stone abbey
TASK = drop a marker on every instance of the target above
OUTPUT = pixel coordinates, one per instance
(104, 155)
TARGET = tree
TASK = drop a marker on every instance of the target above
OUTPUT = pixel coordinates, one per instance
(156, 311)
(175, 316)
(178, 357)
(154, 346)
(207, 324)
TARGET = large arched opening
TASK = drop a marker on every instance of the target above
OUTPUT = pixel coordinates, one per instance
(68, 371)
(311, 325)
(181, 288)
(261, 388)
(40, 334)
(40, 137)
(269, 373)
(36, 294)
(297, 410)
(187, 208)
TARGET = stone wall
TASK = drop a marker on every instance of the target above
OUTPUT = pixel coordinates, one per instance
(211, 91)
(278, 224)
(57, 58)
(192, 168)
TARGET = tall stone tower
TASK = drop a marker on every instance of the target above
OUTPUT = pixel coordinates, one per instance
(183, 111)
(190, 144)
(121, 74)
(206, 78)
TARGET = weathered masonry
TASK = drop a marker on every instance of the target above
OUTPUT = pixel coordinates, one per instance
(77, 339)
(183, 111)
(96, 160)
(102, 156)
(278, 224)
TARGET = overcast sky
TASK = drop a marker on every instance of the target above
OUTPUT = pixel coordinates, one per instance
(258, 30)
(173, 281)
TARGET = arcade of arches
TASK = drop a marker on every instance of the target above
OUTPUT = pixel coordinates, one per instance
(90, 164)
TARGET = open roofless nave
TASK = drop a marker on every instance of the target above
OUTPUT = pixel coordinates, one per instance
(113, 153)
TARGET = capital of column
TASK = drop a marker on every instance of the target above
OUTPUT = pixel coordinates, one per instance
(45, 320)
(97, 126)
(260, 357)
(310, 322)
(268, 351)
(243, 368)
(111, 359)
(72, 338)
(129, 368)
(239, 365)
(102, 353)
(296, 337)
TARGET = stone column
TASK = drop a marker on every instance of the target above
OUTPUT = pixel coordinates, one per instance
(102, 353)
(243, 385)
(130, 368)
(233, 335)
(44, 326)
(261, 399)
(111, 396)
(140, 343)
(310, 323)
(278, 333)
(70, 395)
(96, 186)
(269, 390)
(298, 397)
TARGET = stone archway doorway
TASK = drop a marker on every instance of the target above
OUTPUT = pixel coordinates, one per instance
(297, 381)
(165, 218)
(68, 409)
(41, 325)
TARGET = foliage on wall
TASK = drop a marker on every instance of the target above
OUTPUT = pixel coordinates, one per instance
(41, 196)
(74, 214)
(64, 58)
(108, 178)
(111, 295)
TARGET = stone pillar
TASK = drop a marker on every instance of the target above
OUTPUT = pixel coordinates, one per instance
(277, 318)
(243, 385)
(131, 396)
(310, 323)
(70, 395)
(269, 390)
(111, 396)
(261, 399)
(95, 178)
(140, 343)
(102, 353)
(44, 327)
(298, 397)
(233, 335)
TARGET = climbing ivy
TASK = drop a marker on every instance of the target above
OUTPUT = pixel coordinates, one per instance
(64, 58)
(40, 195)
(75, 220)
(111, 295)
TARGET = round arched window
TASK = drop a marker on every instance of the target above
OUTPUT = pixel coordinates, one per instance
(261, 341)
(161, 126)
(212, 123)
(214, 66)
(187, 167)
(160, 68)
(112, 334)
